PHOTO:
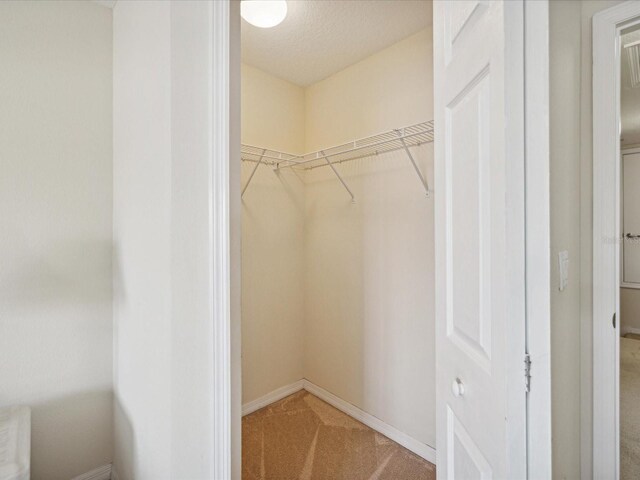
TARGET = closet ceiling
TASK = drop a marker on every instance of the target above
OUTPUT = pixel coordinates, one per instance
(321, 37)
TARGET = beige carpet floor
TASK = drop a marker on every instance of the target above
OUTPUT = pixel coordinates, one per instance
(629, 409)
(303, 438)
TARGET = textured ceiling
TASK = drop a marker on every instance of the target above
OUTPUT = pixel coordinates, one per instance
(321, 37)
(629, 97)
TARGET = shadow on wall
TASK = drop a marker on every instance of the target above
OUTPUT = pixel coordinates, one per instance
(124, 454)
(55, 349)
(69, 424)
(64, 273)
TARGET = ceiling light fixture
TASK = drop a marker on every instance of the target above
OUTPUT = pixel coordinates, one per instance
(263, 13)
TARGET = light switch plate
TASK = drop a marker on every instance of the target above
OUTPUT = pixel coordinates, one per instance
(563, 270)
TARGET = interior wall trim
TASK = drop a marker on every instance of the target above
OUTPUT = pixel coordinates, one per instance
(100, 473)
(272, 397)
(421, 449)
(634, 330)
(225, 428)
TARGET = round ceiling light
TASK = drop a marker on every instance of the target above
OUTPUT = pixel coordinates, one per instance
(263, 13)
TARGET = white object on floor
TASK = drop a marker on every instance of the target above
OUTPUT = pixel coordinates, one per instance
(15, 443)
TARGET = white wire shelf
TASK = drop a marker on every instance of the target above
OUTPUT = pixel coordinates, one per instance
(250, 153)
(397, 139)
(413, 135)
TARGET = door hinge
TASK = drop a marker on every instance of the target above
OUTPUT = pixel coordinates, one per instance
(527, 373)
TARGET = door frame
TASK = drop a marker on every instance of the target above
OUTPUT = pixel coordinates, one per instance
(537, 237)
(225, 214)
(607, 25)
(225, 235)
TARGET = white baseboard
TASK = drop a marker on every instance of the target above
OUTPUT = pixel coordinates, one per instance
(100, 473)
(271, 397)
(630, 330)
(408, 442)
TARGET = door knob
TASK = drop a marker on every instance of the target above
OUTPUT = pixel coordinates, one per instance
(457, 388)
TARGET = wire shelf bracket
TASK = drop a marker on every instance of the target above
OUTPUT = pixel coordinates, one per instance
(344, 184)
(397, 139)
(253, 172)
(425, 184)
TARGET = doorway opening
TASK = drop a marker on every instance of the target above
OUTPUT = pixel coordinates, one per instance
(338, 316)
(348, 276)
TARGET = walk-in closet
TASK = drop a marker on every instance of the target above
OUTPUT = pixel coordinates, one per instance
(338, 350)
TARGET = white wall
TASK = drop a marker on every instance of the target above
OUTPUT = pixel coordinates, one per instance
(141, 230)
(272, 238)
(564, 69)
(369, 281)
(272, 112)
(572, 321)
(163, 313)
(55, 245)
(387, 90)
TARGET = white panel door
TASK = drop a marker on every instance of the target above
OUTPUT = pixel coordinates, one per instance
(631, 217)
(479, 241)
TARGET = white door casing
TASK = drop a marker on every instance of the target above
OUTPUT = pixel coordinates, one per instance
(480, 254)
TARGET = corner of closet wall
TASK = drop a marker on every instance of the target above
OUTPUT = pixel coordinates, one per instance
(390, 89)
(272, 238)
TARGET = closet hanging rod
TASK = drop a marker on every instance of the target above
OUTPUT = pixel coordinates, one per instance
(425, 184)
(386, 148)
(396, 139)
(413, 135)
(344, 184)
(252, 153)
(253, 172)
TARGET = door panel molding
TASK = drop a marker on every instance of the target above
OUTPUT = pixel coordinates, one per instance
(480, 239)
